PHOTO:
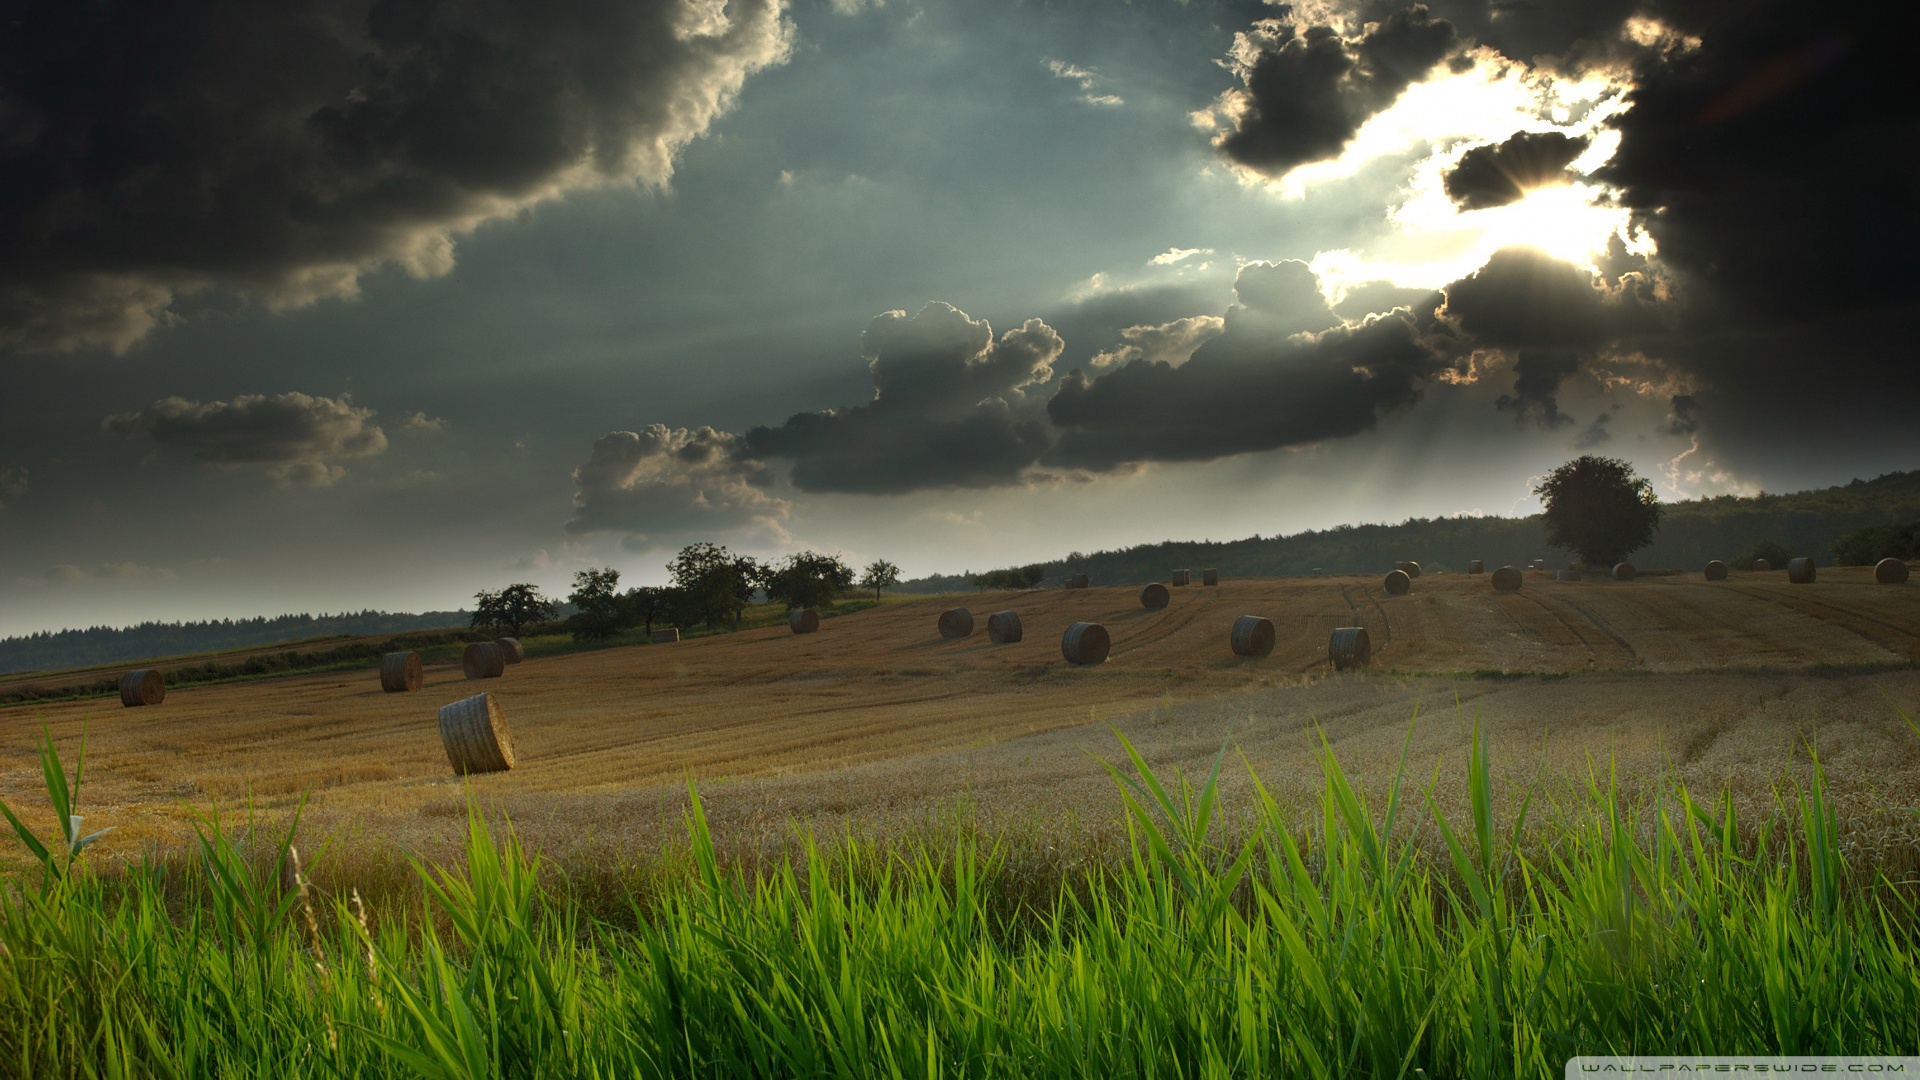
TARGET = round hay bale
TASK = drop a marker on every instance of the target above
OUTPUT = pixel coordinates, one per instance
(1252, 636)
(1003, 627)
(1209, 577)
(143, 687)
(956, 623)
(1350, 647)
(1890, 572)
(1476, 566)
(1566, 575)
(1399, 583)
(665, 637)
(804, 621)
(1762, 566)
(1800, 571)
(1716, 570)
(474, 731)
(1085, 643)
(400, 672)
(1409, 568)
(1623, 571)
(1077, 581)
(1154, 595)
(511, 650)
(1183, 577)
(1507, 579)
(484, 660)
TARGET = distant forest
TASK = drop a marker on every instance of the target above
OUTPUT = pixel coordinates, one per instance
(1692, 532)
(48, 651)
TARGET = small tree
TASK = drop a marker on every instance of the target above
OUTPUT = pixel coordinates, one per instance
(512, 609)
(1597, 508)
(880, 574)
(807, 579)
(595, 594)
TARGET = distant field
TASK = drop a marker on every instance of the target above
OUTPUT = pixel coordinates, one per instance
(876, 719)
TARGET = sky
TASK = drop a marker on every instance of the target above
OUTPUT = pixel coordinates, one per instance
(331, 305)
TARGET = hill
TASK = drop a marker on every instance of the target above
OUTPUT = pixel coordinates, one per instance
(1691, 533)
(62, 649)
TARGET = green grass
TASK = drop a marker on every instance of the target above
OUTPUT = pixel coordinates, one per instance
(1500, 946)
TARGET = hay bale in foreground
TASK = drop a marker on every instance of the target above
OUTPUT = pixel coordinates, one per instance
(511, 650)
(1350, 647)
(804, 621)
(1210, 577)
(1252, 636)
(1399, 583)
(143, 687)
(956, 623)
(1183, 577)
(1800, 571)
(1716, 570)
(1003, 627)
(1154, 595)
(1507, 579)
(1890, 572)
(474, 731)
(665, 637)
(1762, 566)
(1476, 566)
(1409, 568)
(1085, 643)
(1566, 575)
(484, 660)
(1623, 571)
(401, 672)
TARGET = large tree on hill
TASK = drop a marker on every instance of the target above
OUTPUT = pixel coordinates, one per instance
(596, 595)
(512, 608)
(1597, 508)
(807, 579)
(715, 584)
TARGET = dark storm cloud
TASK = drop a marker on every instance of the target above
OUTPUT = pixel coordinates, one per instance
(1307, 90)
(1525, 299)
(13, 482)
(1281, 373)
(295, 437)
(1681, 418)
(949, 409)
(663, 483)
(1500, 173)
(1537, 375)
(1562, 34)
(279, 151)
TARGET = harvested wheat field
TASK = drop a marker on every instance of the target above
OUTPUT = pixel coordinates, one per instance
(878, 720)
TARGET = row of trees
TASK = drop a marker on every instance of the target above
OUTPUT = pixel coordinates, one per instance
(707, 585)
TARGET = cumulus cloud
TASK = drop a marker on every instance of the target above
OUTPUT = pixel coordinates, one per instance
(1283, 371)
(949, 409)
(1306, 91)
(280, 152)
(420, 421)
(295, 437)
(1168, 343)
(1500, 173)
(663, 483)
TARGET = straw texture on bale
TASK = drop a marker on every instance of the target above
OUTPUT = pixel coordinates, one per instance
(1507, 579)
(1252, 636)
(1399, 583)
(1890, 572)
(1476, 566)
(1566, 575)
(1623, 571)
(1350, 647)
(1154, 595)
(1085, 643)
(666, 637)
(1800, 571)
(143, 687)
(1183, 577)
(511, 650)
(1716, 570)
(474, 731)
(1762, 566)
(956, 623)
(804, 621)
(1003, 627)
(1077, 581)
(1409, 568)
(1209, 577)
(400, 672)
(484, 660)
